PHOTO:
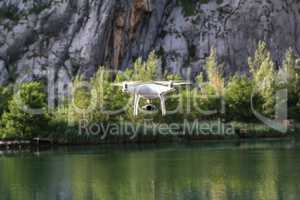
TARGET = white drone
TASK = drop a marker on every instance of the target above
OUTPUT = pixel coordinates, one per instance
(149, 91)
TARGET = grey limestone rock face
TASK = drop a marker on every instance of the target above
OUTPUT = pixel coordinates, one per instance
(234, 28)
(58, 39)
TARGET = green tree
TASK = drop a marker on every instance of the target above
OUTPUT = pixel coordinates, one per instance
(80, 100)
(238, 99)
(212, 92)
(264, 76)
(18, 123)
(107, 97)
(145, 71)
(290, 80)
(214, 72)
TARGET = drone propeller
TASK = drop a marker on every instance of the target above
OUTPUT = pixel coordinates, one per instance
(126, 83)
(182, 83)
(172, 83)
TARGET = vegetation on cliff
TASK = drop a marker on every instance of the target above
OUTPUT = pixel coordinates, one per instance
(214, 96)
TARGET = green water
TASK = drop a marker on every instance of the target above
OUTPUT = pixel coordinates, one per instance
(213, 170)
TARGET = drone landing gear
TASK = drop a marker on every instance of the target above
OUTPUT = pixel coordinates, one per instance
(163, 105)
(136, 104)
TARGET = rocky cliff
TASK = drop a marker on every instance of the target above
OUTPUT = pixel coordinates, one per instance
(62, 38)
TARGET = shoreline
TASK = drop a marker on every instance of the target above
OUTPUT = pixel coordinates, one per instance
(241, 131)
(46, 143)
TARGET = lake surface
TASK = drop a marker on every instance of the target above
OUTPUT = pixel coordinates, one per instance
(210, 170)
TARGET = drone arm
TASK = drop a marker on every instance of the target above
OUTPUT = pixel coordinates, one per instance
(163, 105)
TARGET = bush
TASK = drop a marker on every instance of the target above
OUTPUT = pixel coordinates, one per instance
(5, 97)
(209, 103)
(10, 12)
(20, 124)
(238, 99)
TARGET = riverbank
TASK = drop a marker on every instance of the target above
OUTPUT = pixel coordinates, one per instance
(238, 131)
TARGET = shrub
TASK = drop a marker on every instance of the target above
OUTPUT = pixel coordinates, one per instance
(238, 99)
(80, 100)
(5, 97)
(188, 7)
(209, 103)
(20, 124)
(10, 12)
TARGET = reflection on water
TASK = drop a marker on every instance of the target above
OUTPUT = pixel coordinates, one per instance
(214, 170)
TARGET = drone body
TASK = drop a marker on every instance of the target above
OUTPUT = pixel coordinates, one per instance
(149, 91)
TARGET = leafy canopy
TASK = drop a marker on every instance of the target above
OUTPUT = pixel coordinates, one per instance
(18, 121)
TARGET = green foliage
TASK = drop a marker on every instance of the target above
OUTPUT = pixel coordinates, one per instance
(105, 99)
(264, 77)
(289, 79)
(214, 73)
(16, 123)
(98, 100)
(38, 7)
(10, 12)
(142, 71)
(238, 99)
(175, 102)
(189, 6)
(80, 100)
(109, 99)
(212, 92)
(210, 103)
(81, 95)
(173, 77)
(124, 76)
(5, 97)
(145, 71)
(199, 78)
